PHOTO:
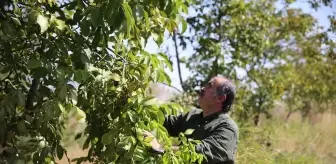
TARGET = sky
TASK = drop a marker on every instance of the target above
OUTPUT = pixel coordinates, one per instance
(321, 15)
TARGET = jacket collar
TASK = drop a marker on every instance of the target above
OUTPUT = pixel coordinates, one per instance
(214, 116)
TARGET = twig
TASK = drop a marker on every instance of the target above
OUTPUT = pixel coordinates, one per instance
(117, 54)
(66, 155)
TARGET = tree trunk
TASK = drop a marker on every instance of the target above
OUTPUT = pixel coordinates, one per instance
(256, 120)
(288, 115)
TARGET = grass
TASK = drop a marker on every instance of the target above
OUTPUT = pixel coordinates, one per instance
(296, 142)
(275, 141)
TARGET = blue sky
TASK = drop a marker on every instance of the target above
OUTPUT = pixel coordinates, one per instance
(321, 15)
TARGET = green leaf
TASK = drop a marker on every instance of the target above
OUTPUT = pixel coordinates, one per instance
(138, 11)
(61, 107)
(166, 159)
(171, 25)
(85, 27)
(184, 25)
(49, 113)
(29, 118)
(167, 78)
(161, 75)
(80, 114)
(108, 138)
(19, 162)
(60, 151)
(148, 139)
(146, 19)
(290, 1)
(131, 116)
(114, 77)
(60, 24)
(34, 64)
(40, 72)
(21, 99)
(161, 117)
(21, 127)
(183, 59)
(63, 92)
(129, 17)
(95, 16)
(4, 71)
(73, 96)
(7, 29)
(16, 21)
(32, 17)
(189, 131)
(150, 101)
(97, 38)
(84, 58)
(43, 22)
(184, 8)
(113, 17)
(175, 161)
(166, 61)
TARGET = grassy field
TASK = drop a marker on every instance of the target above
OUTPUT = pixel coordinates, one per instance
(275, 140)
(293, 141)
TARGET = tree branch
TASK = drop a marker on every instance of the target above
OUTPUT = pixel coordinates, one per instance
(172, 87)
(31, 94)
(178, 60)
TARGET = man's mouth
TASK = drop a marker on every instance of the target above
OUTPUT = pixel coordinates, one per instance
(200, 92)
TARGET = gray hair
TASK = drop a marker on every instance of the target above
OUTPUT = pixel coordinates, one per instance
(227, 88)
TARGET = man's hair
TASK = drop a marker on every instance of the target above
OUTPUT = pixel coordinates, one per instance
(227, 88)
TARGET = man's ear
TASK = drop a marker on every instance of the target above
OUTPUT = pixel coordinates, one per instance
(222, 98)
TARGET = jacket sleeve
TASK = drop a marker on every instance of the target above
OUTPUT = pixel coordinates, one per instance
(173, 124)
(219, 146)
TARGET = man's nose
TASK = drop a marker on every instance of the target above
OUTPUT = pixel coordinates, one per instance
(202, 90)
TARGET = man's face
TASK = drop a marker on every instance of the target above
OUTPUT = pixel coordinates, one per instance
(207, 95)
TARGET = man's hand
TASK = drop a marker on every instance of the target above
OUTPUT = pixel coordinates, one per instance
(156, 146)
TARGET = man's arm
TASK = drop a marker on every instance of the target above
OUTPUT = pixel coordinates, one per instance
(219, 146)
(173, 124)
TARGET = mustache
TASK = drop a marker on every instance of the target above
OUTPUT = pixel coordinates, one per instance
(199, 92)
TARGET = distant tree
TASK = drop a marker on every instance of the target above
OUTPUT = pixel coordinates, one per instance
(253, 43)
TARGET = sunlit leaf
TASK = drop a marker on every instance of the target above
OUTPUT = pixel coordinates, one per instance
(43, 22)
(61, 107)
(80, 115)
(115, 77)
(148, 139)
(184, 25)
(189, 131)
(16, 21)
(129, 17)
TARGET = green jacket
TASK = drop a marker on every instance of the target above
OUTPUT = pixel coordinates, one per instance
(218, 134)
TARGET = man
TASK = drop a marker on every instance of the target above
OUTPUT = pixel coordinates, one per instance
(213, 126)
